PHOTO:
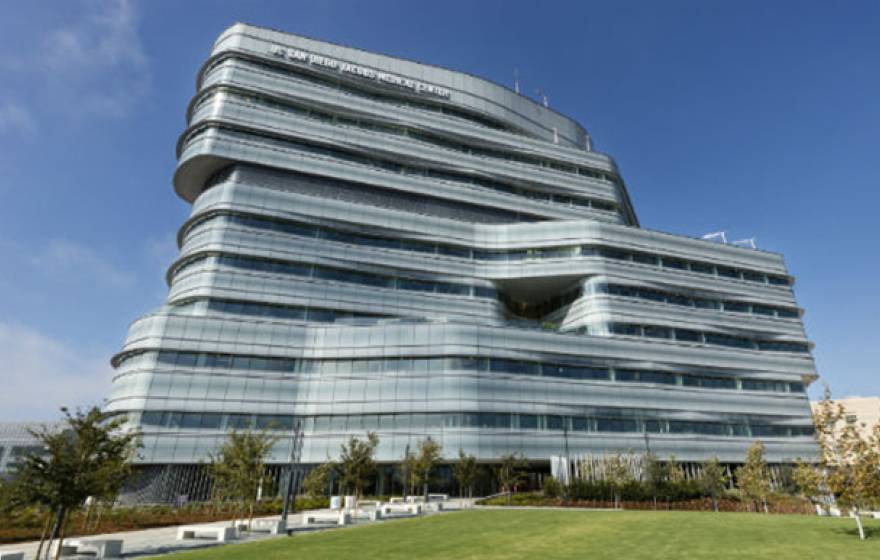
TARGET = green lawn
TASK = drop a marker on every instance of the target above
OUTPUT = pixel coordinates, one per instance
(542, 535)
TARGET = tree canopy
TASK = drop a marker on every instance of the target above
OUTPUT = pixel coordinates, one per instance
(465, 472)
(356, 464)
(239, 468)
(90, 456)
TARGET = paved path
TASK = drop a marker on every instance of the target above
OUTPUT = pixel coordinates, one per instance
(163, 540)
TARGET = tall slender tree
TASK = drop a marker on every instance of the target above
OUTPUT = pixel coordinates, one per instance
(465, 472)
(753, 478)
(654, 476)
(807, 480)
(713, 480)
(427, 457)
(511, 472)
(617, 475)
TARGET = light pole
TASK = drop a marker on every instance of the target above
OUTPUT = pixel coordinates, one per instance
(293, 461)
(405, 470)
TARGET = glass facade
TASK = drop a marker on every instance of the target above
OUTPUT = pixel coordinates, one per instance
(371, 253)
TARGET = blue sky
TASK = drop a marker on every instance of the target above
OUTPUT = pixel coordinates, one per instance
(758, 118)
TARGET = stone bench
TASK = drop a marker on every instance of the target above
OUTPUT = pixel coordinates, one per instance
(271, 526)
(398, 507)
(337, 518)
(11, 555)
(101, 548)
(220, 534)
(373, 514)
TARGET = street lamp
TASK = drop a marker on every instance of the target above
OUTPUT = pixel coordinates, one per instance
(293, 461)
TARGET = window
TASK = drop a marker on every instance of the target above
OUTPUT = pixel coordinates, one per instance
(728, 340)
(657, 332)
(727, 272)
(755, 277)
(669, 262)
(528, 422)
(554, 422)
(778, 280)
(736, 306)
(625, 329)
(688, 336)
(616, 254)
(703, 268)
(643, 258)
(763, 310)
(657, 377)
(706, 303)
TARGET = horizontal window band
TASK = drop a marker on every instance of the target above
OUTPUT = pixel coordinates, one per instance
(458, 251)
(457, 420)
(576, 372)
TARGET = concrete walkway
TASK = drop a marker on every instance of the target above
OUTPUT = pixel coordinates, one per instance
(163, 540)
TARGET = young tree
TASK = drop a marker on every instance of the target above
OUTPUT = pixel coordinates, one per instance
(807, 479)
(753, 478)
(428, 456)
(849, 458)
(511, 472)
(407, 468)
(465, 472)
(654, 476)
(90, 456)
(618, 475)
(315, 484)
(713, 480)
(356, 465)
(673, 477)
(239, 468)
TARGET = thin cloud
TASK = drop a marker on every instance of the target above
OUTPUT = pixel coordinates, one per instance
(15, 118)
(40, 374)
(66, 259)
(100, 58)
(92, 65)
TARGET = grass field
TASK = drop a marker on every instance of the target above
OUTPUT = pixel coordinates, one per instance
(542, 535)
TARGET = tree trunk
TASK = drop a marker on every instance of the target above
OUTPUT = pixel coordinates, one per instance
(43, 534)
(715, 504)
(250, 517)
(766, 508)
(425, 494)
(56, 529)
(97, 521)
(859, 523)
(60, 536)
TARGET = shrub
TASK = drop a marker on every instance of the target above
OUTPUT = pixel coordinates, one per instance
(552, 487)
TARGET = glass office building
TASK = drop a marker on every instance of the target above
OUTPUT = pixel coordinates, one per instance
(379, 244)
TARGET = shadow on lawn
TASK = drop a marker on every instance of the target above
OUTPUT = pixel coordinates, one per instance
(871, 531)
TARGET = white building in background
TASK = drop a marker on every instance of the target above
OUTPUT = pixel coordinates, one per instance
(862, 412)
